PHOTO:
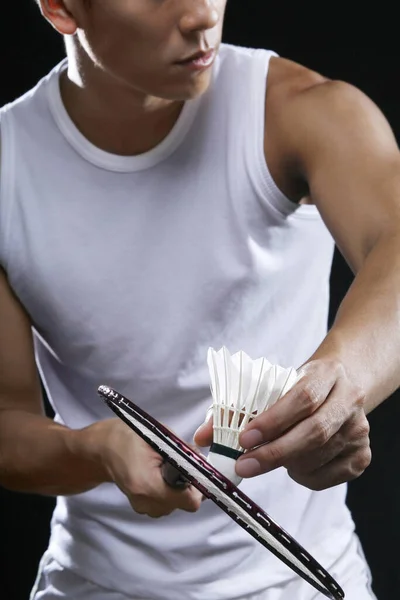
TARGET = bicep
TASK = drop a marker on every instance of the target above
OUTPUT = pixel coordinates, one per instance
(351, 162)
(19, 380)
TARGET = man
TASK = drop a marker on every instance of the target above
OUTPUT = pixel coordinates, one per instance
(161, 193)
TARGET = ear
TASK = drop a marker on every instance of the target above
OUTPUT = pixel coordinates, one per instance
(59, 14)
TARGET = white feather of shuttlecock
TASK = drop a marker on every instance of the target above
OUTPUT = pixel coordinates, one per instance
(241, 388)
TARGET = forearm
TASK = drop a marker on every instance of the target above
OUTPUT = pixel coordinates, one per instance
(43, 457)
(365, 337)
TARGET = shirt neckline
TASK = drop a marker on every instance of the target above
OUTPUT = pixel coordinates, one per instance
(106, 160)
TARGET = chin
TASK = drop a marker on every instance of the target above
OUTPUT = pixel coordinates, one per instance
(188, 90)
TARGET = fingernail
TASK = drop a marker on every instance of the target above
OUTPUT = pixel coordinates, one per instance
(248, 467)
(250, 439)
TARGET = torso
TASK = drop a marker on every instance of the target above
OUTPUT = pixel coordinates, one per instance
(131, 270)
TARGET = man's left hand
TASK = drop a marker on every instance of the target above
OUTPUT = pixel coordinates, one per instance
(318, 431)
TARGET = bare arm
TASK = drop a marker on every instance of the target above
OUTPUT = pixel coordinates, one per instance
(352, 166)
(40, 456)
(338, 148)
(36, 454)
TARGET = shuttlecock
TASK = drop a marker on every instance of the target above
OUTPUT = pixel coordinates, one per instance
(241, 388)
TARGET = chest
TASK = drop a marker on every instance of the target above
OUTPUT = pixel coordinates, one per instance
(143, 267)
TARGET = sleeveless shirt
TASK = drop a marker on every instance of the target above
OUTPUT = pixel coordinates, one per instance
(130, 268)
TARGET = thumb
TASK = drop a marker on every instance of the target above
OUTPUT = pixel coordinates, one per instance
(204, 435)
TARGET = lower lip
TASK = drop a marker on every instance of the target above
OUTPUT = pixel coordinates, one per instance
(200, 64)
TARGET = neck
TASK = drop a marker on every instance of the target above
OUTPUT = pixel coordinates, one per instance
(111, 115)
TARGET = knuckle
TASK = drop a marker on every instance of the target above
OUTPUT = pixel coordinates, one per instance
(193, 508)
(272, 455)
(308, 398)
(338, 444)
(154, 511)
(359, 396)
(361, 430)
(321, 432)
(140, 509)
(361, 461)
(331, 365)
(190, 501)
(337, 367)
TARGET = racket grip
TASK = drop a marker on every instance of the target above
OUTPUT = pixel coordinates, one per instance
(173, 477)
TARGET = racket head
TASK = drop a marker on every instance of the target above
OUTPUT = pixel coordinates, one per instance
(214, 485)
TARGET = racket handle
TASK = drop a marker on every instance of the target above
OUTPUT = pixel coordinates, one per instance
(173, 477)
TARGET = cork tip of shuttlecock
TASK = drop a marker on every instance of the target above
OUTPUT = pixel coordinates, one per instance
(225, 465)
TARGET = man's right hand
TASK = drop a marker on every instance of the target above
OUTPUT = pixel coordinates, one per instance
(136, 469)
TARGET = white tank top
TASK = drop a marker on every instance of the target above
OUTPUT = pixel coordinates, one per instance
(130, 268)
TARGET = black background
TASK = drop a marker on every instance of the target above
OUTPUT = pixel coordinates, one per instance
(327, 41)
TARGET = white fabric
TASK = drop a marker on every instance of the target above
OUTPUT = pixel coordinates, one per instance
(56, 583)
(130, 268)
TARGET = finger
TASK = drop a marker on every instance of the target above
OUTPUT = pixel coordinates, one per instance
(307, 436)
(302, 401)
(204, 434)
(194, 500)
(309, 462)
(188, 499)
(154, 511)
(342, 469)
(173, 477)
(161, 499)
(350, 438)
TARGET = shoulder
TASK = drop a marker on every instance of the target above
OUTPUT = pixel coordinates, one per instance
(288, 78)
(291, 84)
(306, 100)
(306, 112)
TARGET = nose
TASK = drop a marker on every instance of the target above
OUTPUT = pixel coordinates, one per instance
(199, 15)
